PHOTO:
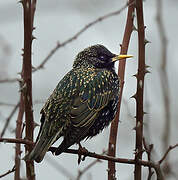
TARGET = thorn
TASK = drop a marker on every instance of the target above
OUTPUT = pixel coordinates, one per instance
(133, 14)
(33, 37)
(134, 96)
(147, 66)
(21, 1)
(136, 75)
(33, 28)
(134, 28)
(35, 124)
(146, 71)
(146, 41)
(144, 113)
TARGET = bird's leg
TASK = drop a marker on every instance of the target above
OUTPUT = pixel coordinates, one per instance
(81, 151)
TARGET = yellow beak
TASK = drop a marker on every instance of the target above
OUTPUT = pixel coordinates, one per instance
(121, 56)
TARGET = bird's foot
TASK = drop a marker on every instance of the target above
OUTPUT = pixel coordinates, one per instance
(52, 149)
(81, 151)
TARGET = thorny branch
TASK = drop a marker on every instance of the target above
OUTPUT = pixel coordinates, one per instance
(18, 136)
(155, 165)
(121, 72)
(28, 11)
(140, 89)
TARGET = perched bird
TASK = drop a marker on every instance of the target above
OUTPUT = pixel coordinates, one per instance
(83, 103)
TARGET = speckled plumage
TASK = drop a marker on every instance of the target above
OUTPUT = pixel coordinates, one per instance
(83, 103)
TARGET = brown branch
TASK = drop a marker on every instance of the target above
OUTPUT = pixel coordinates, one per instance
(121, 72)
(19, 141)
(140, 88)
(27, 77)
(8, 172)
(166, 153)
(18, 136)
(154, 165)
(7, 121)
(75, 36)
(148, 150)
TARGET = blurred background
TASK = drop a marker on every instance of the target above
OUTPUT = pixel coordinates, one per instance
(58, 20)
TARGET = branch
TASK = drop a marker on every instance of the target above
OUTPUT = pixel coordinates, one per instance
(154, 165)
(9, 118)
(9, 80)
(140, 88)
(166, 153)
(18, 136)
(75, 36)
(8, 172)
(28, 12)
(121, 72)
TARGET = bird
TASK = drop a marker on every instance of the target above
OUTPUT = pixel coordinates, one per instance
(83, 103)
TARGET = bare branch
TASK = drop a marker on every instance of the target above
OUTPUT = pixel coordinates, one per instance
(60, 168)
(8, 172)
(9, 118)
(166, 153)
(8, 80)
(75, 36)
(81, 172)
(156, 166)
(18, 136)
(121, 72)
(140, 88)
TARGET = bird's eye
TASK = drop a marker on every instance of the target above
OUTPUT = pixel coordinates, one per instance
(102, 57)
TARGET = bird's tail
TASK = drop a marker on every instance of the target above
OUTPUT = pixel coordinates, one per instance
(44, 142)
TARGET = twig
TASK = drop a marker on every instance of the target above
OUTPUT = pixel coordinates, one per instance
(8, 80)
(8, 172)
(60, 168)
(121, 72)
(6, 104)
(148, 151)
(81, 172)
(75, 36)
(140, 88)
(18, 136)
(154, 165)
(166, 153)
(9, 118)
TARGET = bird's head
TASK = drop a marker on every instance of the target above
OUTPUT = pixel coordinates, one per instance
(98, 56)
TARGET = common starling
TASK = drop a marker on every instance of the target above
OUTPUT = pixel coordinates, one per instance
(83, 103)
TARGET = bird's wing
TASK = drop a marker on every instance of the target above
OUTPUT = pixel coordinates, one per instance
(96, 89)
